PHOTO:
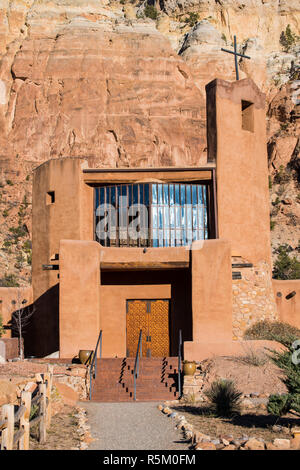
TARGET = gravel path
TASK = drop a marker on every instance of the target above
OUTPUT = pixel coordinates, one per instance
(132, 426)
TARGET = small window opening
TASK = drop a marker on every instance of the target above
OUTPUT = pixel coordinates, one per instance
(50, 197)
(247, 116)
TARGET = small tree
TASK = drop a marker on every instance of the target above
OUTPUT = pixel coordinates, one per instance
(1, 326)
(286, 267)
(287, 38)
(20, 321)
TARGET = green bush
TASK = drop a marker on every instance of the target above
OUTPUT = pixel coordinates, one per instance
(282, 404)
(151, 12)
(287, 38)
(269, 330)
(279, 405)
(224, 398)
(286, 267)
(192, 19)
(282, 176)
(9, 280)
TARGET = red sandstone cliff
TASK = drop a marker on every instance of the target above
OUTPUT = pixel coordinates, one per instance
(99, 80)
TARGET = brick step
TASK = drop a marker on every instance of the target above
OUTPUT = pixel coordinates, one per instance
(115, 379)
(148, 377)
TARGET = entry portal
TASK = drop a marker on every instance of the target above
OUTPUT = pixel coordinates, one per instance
(152, 317)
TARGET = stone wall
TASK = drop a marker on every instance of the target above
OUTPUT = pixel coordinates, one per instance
(253, 298)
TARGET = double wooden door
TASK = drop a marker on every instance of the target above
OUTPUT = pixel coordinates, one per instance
(152, 317)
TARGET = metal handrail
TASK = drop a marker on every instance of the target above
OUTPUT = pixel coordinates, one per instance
(93, 366)
(137, 363)
(179, 362)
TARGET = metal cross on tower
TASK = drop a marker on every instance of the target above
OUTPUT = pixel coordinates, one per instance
(236, 54)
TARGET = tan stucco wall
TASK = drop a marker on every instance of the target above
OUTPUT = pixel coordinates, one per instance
(288, 309)
(69, 217)
(242, 172)
(79, 296)
(7, 294)
(211, 295)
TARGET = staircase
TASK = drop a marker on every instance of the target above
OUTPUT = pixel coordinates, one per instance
(115, 379)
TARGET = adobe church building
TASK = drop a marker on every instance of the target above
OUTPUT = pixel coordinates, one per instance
(159, 249)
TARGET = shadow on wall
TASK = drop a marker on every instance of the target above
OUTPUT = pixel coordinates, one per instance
(41, 334)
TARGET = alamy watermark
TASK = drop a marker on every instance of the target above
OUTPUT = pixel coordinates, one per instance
(180, 224)
(296, 353)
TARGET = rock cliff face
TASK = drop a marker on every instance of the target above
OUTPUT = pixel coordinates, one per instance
(100, 79)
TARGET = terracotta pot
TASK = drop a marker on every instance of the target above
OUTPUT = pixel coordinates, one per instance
(85, 356)
(189, 368)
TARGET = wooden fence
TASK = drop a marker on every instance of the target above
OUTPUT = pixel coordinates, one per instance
(15, 421)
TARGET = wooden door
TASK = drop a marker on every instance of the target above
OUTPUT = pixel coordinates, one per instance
(152, 317)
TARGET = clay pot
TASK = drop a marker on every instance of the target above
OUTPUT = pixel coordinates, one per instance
(189, 368)
(85, 356)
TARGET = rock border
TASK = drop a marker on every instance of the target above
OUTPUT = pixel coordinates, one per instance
(200, 441)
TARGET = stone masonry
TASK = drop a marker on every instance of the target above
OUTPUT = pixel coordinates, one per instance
(253, 299)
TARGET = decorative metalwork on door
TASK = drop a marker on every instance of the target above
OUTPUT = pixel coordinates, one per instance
(152, 317)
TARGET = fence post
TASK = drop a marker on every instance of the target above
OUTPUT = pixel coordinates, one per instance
(49, 378)
(8, 433)
(24, 421)
(43, 412)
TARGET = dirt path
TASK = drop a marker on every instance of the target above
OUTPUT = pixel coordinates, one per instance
(132, 426)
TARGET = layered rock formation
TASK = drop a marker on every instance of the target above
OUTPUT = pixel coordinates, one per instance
(98, 79)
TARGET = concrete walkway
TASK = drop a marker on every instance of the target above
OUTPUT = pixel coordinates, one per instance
(132, 426)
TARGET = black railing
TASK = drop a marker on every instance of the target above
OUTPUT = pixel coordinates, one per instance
(137, 363)
(179, 362)
(93, 366)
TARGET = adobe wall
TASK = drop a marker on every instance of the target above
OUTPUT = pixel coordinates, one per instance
(211, 296)
(288, 308)
(79, 299)
(70, 216)
(7, 294)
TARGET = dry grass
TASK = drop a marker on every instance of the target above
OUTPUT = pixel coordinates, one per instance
(62, 434)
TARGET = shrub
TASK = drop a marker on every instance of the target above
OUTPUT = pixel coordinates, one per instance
(224, 398)
(192, 19)
(282, 176)
(269, 330)
(9, 280)
(286, 267)
(253, 358)
(279, 405)
(151, 12)
(287, 38)
(282, 404)
(272, 224)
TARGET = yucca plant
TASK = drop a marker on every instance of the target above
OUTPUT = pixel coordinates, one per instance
(225, 398)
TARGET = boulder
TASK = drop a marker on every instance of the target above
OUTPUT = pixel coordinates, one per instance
(254, 444)
(205, 446)
(282, 444)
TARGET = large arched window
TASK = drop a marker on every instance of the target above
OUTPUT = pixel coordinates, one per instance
(151, 214)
